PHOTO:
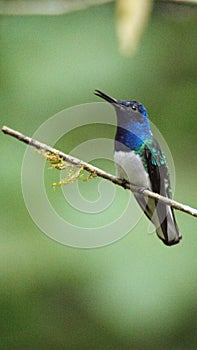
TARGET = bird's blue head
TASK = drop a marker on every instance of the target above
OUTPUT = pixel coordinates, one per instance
(133, 127)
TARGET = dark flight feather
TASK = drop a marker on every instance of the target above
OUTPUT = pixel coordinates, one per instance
(160, 183)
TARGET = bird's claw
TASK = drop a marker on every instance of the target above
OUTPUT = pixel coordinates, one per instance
(124, 184)
(141, 190)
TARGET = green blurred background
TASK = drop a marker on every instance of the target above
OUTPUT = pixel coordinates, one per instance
(136, 293)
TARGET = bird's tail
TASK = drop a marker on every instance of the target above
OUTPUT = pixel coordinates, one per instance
(163, 218)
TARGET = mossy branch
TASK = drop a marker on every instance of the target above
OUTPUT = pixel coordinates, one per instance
(97, 172)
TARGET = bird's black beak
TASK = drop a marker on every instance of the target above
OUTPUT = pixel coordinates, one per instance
(105, 97)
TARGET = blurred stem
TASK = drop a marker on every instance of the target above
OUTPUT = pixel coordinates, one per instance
(180, 2)
(46, 7)
(59, 7)
(94, 171)
(131, 20)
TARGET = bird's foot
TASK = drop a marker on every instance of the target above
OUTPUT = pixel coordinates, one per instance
(124, 184)
(142, 189)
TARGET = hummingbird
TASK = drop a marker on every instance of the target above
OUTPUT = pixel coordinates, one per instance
(140, 160)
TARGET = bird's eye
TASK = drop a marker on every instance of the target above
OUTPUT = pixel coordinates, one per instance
(134, 108)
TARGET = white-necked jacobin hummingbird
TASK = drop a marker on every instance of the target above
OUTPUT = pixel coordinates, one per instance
(139, 160)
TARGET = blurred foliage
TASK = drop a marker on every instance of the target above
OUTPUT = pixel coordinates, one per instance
(136, 293)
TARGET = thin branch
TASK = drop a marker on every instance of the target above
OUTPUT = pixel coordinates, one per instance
(99, 172)
(59, 7)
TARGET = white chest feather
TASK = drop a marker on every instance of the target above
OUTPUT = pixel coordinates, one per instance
(130, 167)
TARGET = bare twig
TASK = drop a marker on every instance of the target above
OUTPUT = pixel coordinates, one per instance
(99, 172)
